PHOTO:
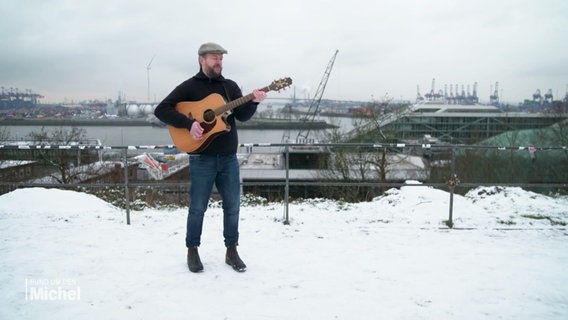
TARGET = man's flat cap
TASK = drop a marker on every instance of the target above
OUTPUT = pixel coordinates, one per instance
(210, 47)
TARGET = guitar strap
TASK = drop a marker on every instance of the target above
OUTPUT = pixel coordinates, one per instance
(228, 96)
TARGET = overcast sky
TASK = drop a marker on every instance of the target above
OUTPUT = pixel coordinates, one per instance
(71, 50)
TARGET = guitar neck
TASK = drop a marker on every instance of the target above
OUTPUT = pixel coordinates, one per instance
(237, 102)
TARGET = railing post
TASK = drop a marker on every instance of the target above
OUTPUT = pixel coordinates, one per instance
(287, 185)
(126, 190)
(452, 187)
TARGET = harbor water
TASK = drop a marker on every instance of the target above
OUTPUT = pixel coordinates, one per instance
(148, 135)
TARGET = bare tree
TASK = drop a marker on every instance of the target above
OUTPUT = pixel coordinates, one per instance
(560, 132)
(4, 134)
(71, 164)
(362, 164)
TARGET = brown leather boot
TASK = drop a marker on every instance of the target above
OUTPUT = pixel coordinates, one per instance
(232, 258)
(193, 261)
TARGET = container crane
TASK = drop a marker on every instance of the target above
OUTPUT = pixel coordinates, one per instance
(494, 98)
(548, 97)
(314, 105)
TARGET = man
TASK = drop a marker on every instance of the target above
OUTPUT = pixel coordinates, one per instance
(217, 163)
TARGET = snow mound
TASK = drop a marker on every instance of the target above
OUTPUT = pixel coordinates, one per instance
(514, 206)
(50, 201)
(421, 205)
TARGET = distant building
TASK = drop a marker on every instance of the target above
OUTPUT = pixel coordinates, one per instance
(16, 170)
(451, 123)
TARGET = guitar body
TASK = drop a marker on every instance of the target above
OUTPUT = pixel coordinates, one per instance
(211, 113)
(203, 112)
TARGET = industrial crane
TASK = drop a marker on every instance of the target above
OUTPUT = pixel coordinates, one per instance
(314, 105)
(494, 98)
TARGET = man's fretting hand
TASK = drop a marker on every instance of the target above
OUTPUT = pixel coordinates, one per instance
(259, 95)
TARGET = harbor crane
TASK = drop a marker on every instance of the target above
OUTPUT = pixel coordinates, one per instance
(548, 97)
(537, 96)
(494, 97)
(314, 105)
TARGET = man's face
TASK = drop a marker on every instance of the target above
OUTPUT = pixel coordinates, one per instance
(212, 64)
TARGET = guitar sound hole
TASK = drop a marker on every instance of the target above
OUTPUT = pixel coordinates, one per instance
(209, 116)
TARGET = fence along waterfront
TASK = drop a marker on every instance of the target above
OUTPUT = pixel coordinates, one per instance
(286, 147)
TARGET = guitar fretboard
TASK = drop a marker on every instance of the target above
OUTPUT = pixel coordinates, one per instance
(237, 102)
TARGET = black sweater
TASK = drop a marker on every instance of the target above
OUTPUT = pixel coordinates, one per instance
(197, 88)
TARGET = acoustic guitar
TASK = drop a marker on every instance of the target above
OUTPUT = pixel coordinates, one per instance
(212, 113)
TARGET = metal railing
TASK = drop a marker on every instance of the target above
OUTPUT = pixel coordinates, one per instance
(452, 181)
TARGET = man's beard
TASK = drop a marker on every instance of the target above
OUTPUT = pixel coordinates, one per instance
(210, 72)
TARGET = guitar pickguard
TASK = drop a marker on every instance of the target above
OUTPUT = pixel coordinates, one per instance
(208, 126)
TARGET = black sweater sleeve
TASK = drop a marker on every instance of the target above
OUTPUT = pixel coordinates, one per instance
(166, 112)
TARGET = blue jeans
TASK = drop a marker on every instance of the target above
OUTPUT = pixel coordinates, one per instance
(204, 170)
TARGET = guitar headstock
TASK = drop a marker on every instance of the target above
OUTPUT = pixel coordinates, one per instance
(280, 84)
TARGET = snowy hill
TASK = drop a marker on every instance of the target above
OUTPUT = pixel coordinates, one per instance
(69, 255)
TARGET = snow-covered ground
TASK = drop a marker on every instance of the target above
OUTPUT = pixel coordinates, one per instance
(69, 255)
